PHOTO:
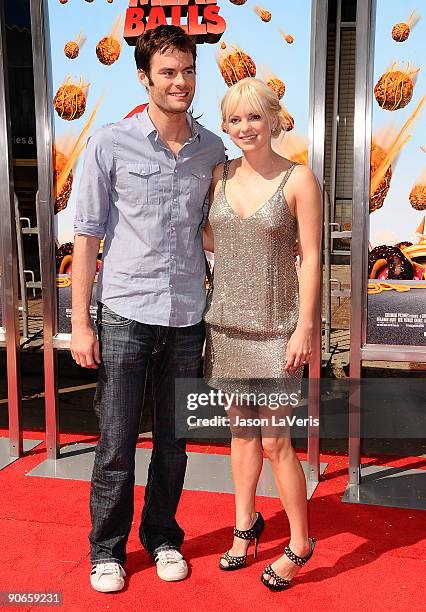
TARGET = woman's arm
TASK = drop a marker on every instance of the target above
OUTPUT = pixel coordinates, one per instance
(208, 238)
(308, 211)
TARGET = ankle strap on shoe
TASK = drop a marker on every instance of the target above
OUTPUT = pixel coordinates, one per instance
(253, 532)
(248, 534)
(300, 561)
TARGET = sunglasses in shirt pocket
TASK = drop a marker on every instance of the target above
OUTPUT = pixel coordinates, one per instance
(143, 182)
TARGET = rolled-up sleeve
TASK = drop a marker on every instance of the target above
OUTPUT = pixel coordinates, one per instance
(94, 191)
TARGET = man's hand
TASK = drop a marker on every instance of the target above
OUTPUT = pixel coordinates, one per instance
(84, 344)
(85, 347)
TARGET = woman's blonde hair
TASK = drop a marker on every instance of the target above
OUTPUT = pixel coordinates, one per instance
(258, 98)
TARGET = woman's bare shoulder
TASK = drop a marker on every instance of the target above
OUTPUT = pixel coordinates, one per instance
(303, 172)
(302, 178)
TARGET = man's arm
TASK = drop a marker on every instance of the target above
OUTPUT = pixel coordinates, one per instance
(84, 343)
(90, 224)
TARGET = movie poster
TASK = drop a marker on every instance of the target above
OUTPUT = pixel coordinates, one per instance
(95, 81)
(397, 250)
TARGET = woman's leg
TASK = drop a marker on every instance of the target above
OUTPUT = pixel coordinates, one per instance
(246, 462)
(291, 485)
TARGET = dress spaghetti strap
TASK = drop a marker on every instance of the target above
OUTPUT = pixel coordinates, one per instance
(226, 165)
(287, 175)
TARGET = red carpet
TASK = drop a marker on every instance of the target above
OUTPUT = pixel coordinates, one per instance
(366, 556)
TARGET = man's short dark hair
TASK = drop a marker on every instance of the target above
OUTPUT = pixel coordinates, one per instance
(162, 38)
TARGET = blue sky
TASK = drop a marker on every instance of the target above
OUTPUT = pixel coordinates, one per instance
(397, 219)
(123, 92)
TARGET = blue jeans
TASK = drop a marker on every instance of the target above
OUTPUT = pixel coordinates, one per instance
(128, 349)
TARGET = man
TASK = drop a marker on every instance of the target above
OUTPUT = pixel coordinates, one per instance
(143, 186)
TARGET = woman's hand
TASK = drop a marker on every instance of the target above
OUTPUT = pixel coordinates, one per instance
(299, 349)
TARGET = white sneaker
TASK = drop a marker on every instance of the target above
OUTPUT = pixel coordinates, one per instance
(170, 565)
(107, 577)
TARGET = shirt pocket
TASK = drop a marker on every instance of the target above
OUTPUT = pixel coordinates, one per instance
(200, 181)
(143, 183)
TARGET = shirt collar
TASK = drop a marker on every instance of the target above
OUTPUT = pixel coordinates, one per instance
(149, 128)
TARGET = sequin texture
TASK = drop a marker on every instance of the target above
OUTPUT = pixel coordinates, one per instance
(254, 305)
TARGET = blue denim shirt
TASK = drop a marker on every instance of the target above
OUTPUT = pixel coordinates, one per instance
(150, 207)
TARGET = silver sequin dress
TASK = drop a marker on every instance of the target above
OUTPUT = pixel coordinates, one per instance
(253, 308)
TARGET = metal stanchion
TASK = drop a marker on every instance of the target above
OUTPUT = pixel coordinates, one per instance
(13, 448)
(317, 139)
(43, 96)
(21, 266)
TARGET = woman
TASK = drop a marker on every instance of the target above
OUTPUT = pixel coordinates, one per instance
(259, 331)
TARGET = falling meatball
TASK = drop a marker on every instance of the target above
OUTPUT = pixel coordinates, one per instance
(401, 31)
(378, 156)
(72, 48)
(235, 65)
(263, 13)
(277, 86)
(108, 50)
(287, 119)
(287, 37)
(395, 88)
(70, 100)
(418, 197)
(272, 81)
(65, 184)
